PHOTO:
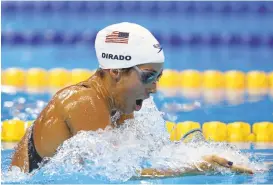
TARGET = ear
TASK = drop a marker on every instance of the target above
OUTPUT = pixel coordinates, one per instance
(115, 74)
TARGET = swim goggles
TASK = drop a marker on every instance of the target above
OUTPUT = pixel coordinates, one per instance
(148, 76)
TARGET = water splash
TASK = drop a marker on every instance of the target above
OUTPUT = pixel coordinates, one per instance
(115, 155)
(15, 175)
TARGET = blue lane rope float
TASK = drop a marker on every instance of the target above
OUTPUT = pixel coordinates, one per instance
(175, 40)
(149, 7)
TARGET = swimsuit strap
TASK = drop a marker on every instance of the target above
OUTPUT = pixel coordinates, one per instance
(33, 157)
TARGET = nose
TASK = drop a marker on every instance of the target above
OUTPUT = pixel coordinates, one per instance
(152, 87)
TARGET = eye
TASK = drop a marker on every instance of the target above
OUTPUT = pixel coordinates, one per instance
(148, 75)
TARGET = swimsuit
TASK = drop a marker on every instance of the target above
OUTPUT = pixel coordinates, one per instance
(33, 157)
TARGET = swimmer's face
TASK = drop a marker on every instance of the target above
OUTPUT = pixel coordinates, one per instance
(136, 86)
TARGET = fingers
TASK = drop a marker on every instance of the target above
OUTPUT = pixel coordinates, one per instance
(228, 164)
(222, 161)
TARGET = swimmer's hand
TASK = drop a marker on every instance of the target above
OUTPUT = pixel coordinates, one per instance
(211, 161)
(214, 160)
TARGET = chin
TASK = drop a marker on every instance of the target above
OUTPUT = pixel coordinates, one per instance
(126, 111)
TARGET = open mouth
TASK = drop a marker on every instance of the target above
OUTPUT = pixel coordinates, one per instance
(138, 104)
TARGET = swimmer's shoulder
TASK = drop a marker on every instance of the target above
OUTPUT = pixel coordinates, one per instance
(74, 92)
(80, 95)
(82, 109)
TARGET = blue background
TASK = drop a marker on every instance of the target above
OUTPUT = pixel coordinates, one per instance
(194, 35)
(73, 27)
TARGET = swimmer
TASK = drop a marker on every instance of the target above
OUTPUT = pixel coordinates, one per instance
(130, 64)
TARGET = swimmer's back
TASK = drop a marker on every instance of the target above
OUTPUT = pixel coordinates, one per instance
(77, 107)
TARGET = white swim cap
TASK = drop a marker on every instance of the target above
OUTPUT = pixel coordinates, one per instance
(125, 45)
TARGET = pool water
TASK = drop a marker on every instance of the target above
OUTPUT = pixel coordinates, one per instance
(28, 106)
(20, 52)
(262, 178)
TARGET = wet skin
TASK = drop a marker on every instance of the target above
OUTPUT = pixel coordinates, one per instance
(85, 106)
(88, 106)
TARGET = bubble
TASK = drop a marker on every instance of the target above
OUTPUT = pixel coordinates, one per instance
(8, 104)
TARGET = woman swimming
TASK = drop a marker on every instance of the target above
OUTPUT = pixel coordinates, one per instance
(130, 64)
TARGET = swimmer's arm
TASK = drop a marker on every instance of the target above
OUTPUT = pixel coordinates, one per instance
(209, 163)
(150, 172)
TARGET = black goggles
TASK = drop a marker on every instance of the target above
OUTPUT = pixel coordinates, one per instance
(148, 76)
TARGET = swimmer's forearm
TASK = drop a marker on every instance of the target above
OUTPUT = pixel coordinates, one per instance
(150, 172)
(194, 169)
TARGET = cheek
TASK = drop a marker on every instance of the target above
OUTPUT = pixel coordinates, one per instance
(133, 90)
(135, 87)
(132, 84)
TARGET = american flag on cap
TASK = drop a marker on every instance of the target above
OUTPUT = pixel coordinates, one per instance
(117, 37)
